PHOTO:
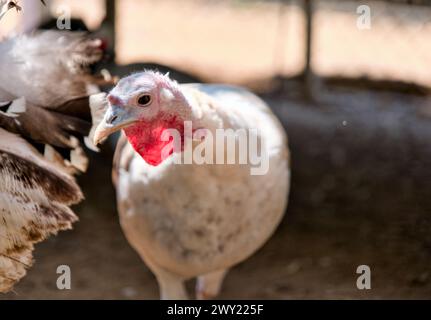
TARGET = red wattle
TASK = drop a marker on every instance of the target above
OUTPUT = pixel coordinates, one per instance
(146, 138)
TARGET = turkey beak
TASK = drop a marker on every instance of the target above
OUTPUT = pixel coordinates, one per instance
(115, 119)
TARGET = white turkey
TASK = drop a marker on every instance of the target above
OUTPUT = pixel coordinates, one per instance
(44, 115)
(192, 220)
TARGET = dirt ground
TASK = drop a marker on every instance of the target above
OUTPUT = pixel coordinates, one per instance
(361, 194)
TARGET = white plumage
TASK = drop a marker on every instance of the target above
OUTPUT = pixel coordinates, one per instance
(48, 68)
(190, 221)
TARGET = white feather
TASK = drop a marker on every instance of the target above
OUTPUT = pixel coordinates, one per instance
(199, 220)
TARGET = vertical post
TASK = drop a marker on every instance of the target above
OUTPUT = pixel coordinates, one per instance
(280, 40)
(308, 71)
(109, 22)
(34, 14)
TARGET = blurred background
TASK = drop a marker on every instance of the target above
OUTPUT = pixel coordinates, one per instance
(355, 102)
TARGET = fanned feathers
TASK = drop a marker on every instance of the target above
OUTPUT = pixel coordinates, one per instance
(45, 85)
(34, 200)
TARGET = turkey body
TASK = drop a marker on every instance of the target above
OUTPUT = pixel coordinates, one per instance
(189, 220)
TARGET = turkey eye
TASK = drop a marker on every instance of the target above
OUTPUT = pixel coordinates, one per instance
(144, 100)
